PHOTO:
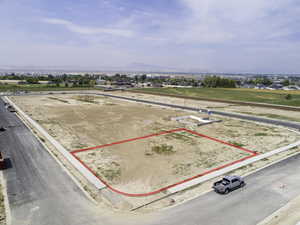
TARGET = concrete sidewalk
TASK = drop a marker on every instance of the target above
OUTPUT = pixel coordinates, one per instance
(228, 169)
(85, 172)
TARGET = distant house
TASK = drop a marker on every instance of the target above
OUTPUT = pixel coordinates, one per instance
(45, 82)
(176, 86)
(22, 82)
(260, 86)
(248, 86)
(157, 85)
(291, 88)
(122, 83)
(100, 82)
(147, 84)
(275, 87)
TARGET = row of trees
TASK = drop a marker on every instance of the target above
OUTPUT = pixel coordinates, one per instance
(28, 79)
(154, 80)
(14, 76)
(67, 80)
(209, 81)
(218, 82)
(267, 82)
(89, 80)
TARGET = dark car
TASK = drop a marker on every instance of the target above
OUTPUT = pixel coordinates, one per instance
(228, 183)
(11, 108)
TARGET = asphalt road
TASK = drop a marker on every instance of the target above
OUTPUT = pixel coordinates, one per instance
(288, 124)
(39, 191)
(293, 125)
(266, 191)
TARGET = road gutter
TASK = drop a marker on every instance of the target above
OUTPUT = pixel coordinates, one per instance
(98, 184)
(278, 212)
(85, 172)
(257, 104)
(6, 202)
(228, 169)
(57, 159)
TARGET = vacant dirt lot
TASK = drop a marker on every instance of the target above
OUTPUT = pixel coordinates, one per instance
(251, 110)
(80, 121)
(149, 164)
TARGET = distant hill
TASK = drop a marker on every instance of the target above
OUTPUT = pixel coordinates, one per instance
(132, 67)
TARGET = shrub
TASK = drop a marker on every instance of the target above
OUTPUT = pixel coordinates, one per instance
(163, 149)
(288, 97)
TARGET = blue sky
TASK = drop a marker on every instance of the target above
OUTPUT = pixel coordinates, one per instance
(189, 35)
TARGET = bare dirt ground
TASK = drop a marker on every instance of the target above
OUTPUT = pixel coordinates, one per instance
(174, 157)
(251, 110)
(80, 121)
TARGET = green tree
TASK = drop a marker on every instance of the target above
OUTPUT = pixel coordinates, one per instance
(32, 80)
(286, 83)
(143, 78)
(218, 82)
(266, 81)
(92, 83)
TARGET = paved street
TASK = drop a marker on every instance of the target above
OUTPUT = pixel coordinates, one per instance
(266, 191)
(293, 125)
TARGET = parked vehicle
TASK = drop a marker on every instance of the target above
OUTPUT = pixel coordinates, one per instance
(228, 183)
(11, 108)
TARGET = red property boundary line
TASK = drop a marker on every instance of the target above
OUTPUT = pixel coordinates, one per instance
(252, 154)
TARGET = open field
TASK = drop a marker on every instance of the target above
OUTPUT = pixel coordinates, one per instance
(235, 94)
(176, 155)
(80, 121)
(271, 113)
(38, 87)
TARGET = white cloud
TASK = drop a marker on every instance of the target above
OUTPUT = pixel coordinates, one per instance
(213, 35)
(215, 21)
(88, 30)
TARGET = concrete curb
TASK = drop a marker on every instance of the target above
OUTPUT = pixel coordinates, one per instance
(268, 219)
(221, 172)
(63, 166)
(6, 202)
(283, 123)
(251, 154)
(257, 104)
(94, 180)
(207, 191)
(87, 174)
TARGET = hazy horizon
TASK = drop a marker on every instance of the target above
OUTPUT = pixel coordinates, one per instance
(257, 36)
